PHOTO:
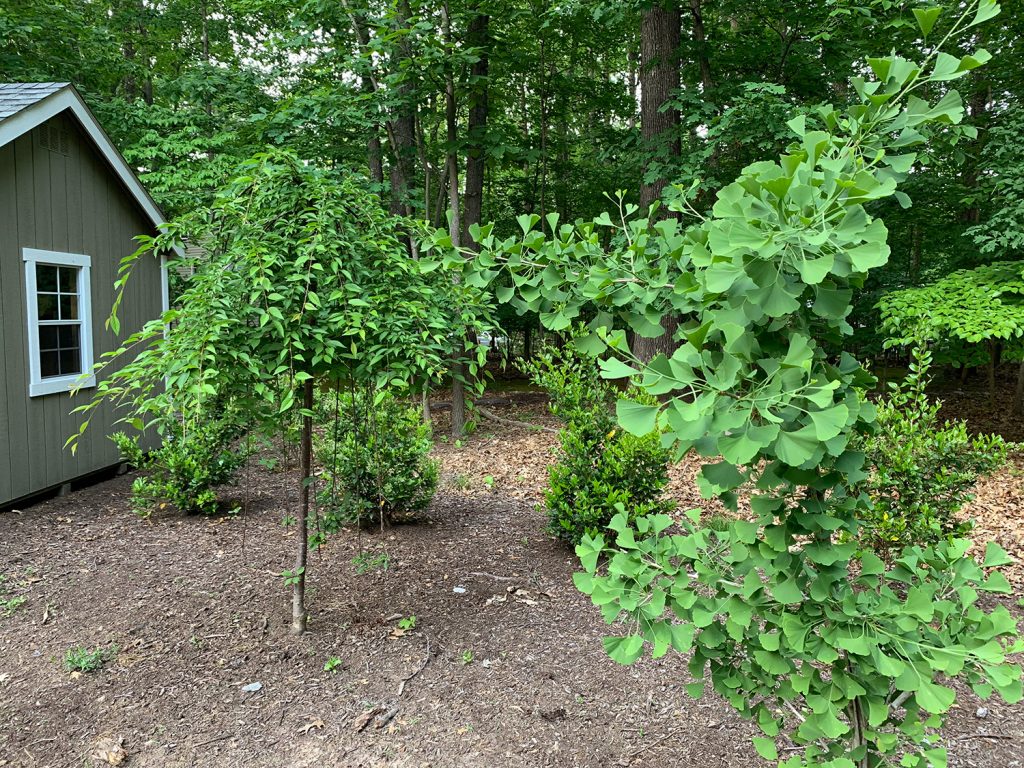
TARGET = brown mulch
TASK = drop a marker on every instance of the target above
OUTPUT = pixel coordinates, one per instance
(503, 668)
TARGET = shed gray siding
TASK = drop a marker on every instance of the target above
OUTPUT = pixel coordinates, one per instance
(71, 203)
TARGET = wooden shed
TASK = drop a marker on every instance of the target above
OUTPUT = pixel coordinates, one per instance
(70, 207)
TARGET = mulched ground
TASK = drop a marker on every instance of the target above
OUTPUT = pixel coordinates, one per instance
(503, 668)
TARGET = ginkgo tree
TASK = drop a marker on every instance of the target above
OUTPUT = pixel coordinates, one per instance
(812, 638)
(302, 280)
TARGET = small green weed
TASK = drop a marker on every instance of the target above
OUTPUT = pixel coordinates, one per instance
(408, 623)
(333, 665)
(8, 607)
(370, 561)
(467, 657)
(81, 659)
(291, 578)
(718, 522)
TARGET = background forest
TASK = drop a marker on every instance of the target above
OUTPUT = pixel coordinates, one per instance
(504, 107)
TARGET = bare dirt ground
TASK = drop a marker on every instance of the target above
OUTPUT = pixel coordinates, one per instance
(503, 668)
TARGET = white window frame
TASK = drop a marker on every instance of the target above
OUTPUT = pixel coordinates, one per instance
(38, 385)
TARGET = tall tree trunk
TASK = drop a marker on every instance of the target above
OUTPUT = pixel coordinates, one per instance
(454, 228)
(369, 85)
(403, 123)
(147, 81)
(660, 37)
(302, 545)
(478, 36)
(700, 44)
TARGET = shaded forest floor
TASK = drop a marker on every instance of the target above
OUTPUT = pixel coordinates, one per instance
(504, 666)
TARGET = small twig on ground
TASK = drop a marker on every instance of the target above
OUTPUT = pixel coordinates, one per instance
(387, 717)
(492, 576)
(213, 741)
(984, 736)
(420, 668)
(488, 414)
(655, 743)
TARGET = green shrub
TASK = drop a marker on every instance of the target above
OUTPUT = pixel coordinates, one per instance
(375, 458)
(575, 391)
(922, 469)
(602, 469)
(183, 472)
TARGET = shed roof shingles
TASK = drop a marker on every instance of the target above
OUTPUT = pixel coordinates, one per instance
(15, 97)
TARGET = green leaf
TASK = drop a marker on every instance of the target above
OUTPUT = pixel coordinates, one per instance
(766, 748)
(614, 368)
(624, 650)
(926, 18)
(934, 698)
(787, 592)
(995, 556)
(830, 422)
(722, 476)
(987, 9)
(996, 583)
(635, 418)
(796, 448)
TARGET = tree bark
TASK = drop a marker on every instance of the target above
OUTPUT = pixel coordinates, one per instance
(403, 124)
(660, 37)
(454, 228)
(302, 545)
(478, 36)
(700, 43)
(993, 357)
(1018, 399)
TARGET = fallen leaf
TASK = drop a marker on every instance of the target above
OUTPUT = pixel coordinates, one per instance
(109, 750)
(364, 719)
(311, 725)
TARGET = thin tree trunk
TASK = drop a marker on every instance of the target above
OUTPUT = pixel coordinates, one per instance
(374, 150)
(302, 545)
(1018, 399)
(855, 713)
(993, 357)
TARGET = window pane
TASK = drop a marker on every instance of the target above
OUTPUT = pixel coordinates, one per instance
(49, 364)
(68, 307)
(70, 361)
(46, 277)
(48, 337)
(69, 335)
(47, 306)
(69, 279)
